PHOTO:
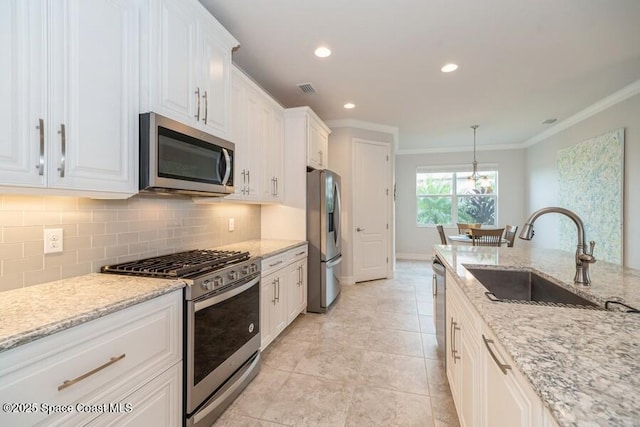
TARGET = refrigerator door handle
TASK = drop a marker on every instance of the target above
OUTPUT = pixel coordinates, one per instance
(337, 260)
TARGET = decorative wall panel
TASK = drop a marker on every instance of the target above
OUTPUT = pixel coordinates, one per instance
(591, 184)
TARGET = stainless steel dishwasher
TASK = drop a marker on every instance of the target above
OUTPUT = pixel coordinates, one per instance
(439, 305)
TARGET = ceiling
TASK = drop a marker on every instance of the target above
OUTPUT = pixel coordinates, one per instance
(520, 62)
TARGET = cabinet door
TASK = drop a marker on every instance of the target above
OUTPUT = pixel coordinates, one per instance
(313, 145)
(23, 89)
(273, 315)
(468, 383)
(296, 290)
(323, 148)
(276, 156)
(173, 69)
(215, 81)
(93, 130)
(256, 123)
(158, 404)
(238, 133)
(508, 398)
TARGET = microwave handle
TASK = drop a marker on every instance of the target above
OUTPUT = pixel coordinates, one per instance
(227, 170)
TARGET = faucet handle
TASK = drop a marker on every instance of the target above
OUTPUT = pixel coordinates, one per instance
(592, 243)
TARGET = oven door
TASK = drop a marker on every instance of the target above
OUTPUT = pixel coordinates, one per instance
(223, 332)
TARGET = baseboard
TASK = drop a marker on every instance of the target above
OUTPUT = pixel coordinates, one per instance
(413, 257)
(347, 280)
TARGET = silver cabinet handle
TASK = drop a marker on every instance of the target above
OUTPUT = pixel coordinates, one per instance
(278, 285)
(321, 158)
(244, 181)
(206, 107)
(300, 253)
(197, 116)
(248, 182)
(275, 263)
(434, 285)
(277, 186)
(69, 383)
(503, 366)
(63, 148)
(454, 351)
(40, 165)
(359, 229)
(274, 292)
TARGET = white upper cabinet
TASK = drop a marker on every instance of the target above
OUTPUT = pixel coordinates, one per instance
(69, 96)
(189, 63)
(306, 127)
(257, 130)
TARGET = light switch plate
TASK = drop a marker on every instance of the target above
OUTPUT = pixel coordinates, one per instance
(232, 224)
(52, 240)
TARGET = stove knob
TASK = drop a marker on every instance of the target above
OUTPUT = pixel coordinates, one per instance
(246, 270)
(207, 285)
(218, 281)
(254, 268)
(233, 275)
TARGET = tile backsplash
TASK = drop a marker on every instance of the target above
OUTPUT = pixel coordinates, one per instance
(99, 232)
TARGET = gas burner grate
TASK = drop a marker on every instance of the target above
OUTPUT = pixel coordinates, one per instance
(180, 264)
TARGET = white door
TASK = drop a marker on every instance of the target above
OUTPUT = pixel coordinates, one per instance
(371, 210)
(215, 81)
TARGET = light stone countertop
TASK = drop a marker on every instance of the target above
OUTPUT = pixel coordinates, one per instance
(27, 314)
(263, 247)
(33, 312)
(584, 364)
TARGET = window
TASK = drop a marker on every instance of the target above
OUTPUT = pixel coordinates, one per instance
(449, 196)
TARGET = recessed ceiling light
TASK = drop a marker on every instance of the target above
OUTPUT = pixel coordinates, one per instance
(449, 68)
(349, 105)
(322, 52)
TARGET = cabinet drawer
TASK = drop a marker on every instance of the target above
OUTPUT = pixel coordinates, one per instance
(274, 263)
(98, 358)
(297, 254)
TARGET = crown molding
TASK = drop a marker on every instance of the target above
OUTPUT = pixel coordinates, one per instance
(611, 100)
(360, 124)
(413, 151)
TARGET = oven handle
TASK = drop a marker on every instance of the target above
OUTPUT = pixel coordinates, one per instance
(225, 296)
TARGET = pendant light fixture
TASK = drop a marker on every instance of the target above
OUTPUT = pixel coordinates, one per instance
(475, 176)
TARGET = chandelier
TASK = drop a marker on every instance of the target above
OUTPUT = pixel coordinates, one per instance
(475, 176)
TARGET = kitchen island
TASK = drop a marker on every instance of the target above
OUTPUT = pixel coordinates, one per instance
(583, 364)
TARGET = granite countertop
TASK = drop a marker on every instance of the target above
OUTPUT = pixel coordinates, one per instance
(584, 364)
(27, 314)
(263, 247)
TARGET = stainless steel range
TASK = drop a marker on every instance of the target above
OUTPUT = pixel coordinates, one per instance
(222, 324)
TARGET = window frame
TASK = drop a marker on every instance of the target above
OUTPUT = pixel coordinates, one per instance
(454, 170)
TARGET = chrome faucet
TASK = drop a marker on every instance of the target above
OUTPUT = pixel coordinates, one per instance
(583, 258)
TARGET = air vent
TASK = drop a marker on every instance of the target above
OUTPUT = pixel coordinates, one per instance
(549, 121)
(307, 88)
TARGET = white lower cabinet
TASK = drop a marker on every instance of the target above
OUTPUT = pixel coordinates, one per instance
(487, 388)
(104, 369)
(509, 400)
(283, 292)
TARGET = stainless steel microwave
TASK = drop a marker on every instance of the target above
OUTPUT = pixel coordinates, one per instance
(175, 158)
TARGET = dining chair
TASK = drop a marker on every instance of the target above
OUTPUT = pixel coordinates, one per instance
(510, 234)
(443, 238)
(462, 227)
(487, 236)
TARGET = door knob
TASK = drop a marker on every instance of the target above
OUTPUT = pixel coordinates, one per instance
(359, 229)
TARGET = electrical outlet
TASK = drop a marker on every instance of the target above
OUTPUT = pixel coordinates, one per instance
(232, 224)
(52, 240)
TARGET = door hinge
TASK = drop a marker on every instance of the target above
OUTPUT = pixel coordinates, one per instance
(387, 226)
(387, 158)
(387, 260)
(387, 191)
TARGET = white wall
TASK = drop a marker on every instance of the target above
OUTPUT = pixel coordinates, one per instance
(542, 178)
(416, 242)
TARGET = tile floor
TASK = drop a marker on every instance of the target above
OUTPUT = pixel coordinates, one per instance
(370, 361)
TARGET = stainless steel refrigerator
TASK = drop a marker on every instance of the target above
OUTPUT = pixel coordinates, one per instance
(324, 236)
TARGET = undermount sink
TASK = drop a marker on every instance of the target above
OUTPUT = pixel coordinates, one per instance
(523, 285)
